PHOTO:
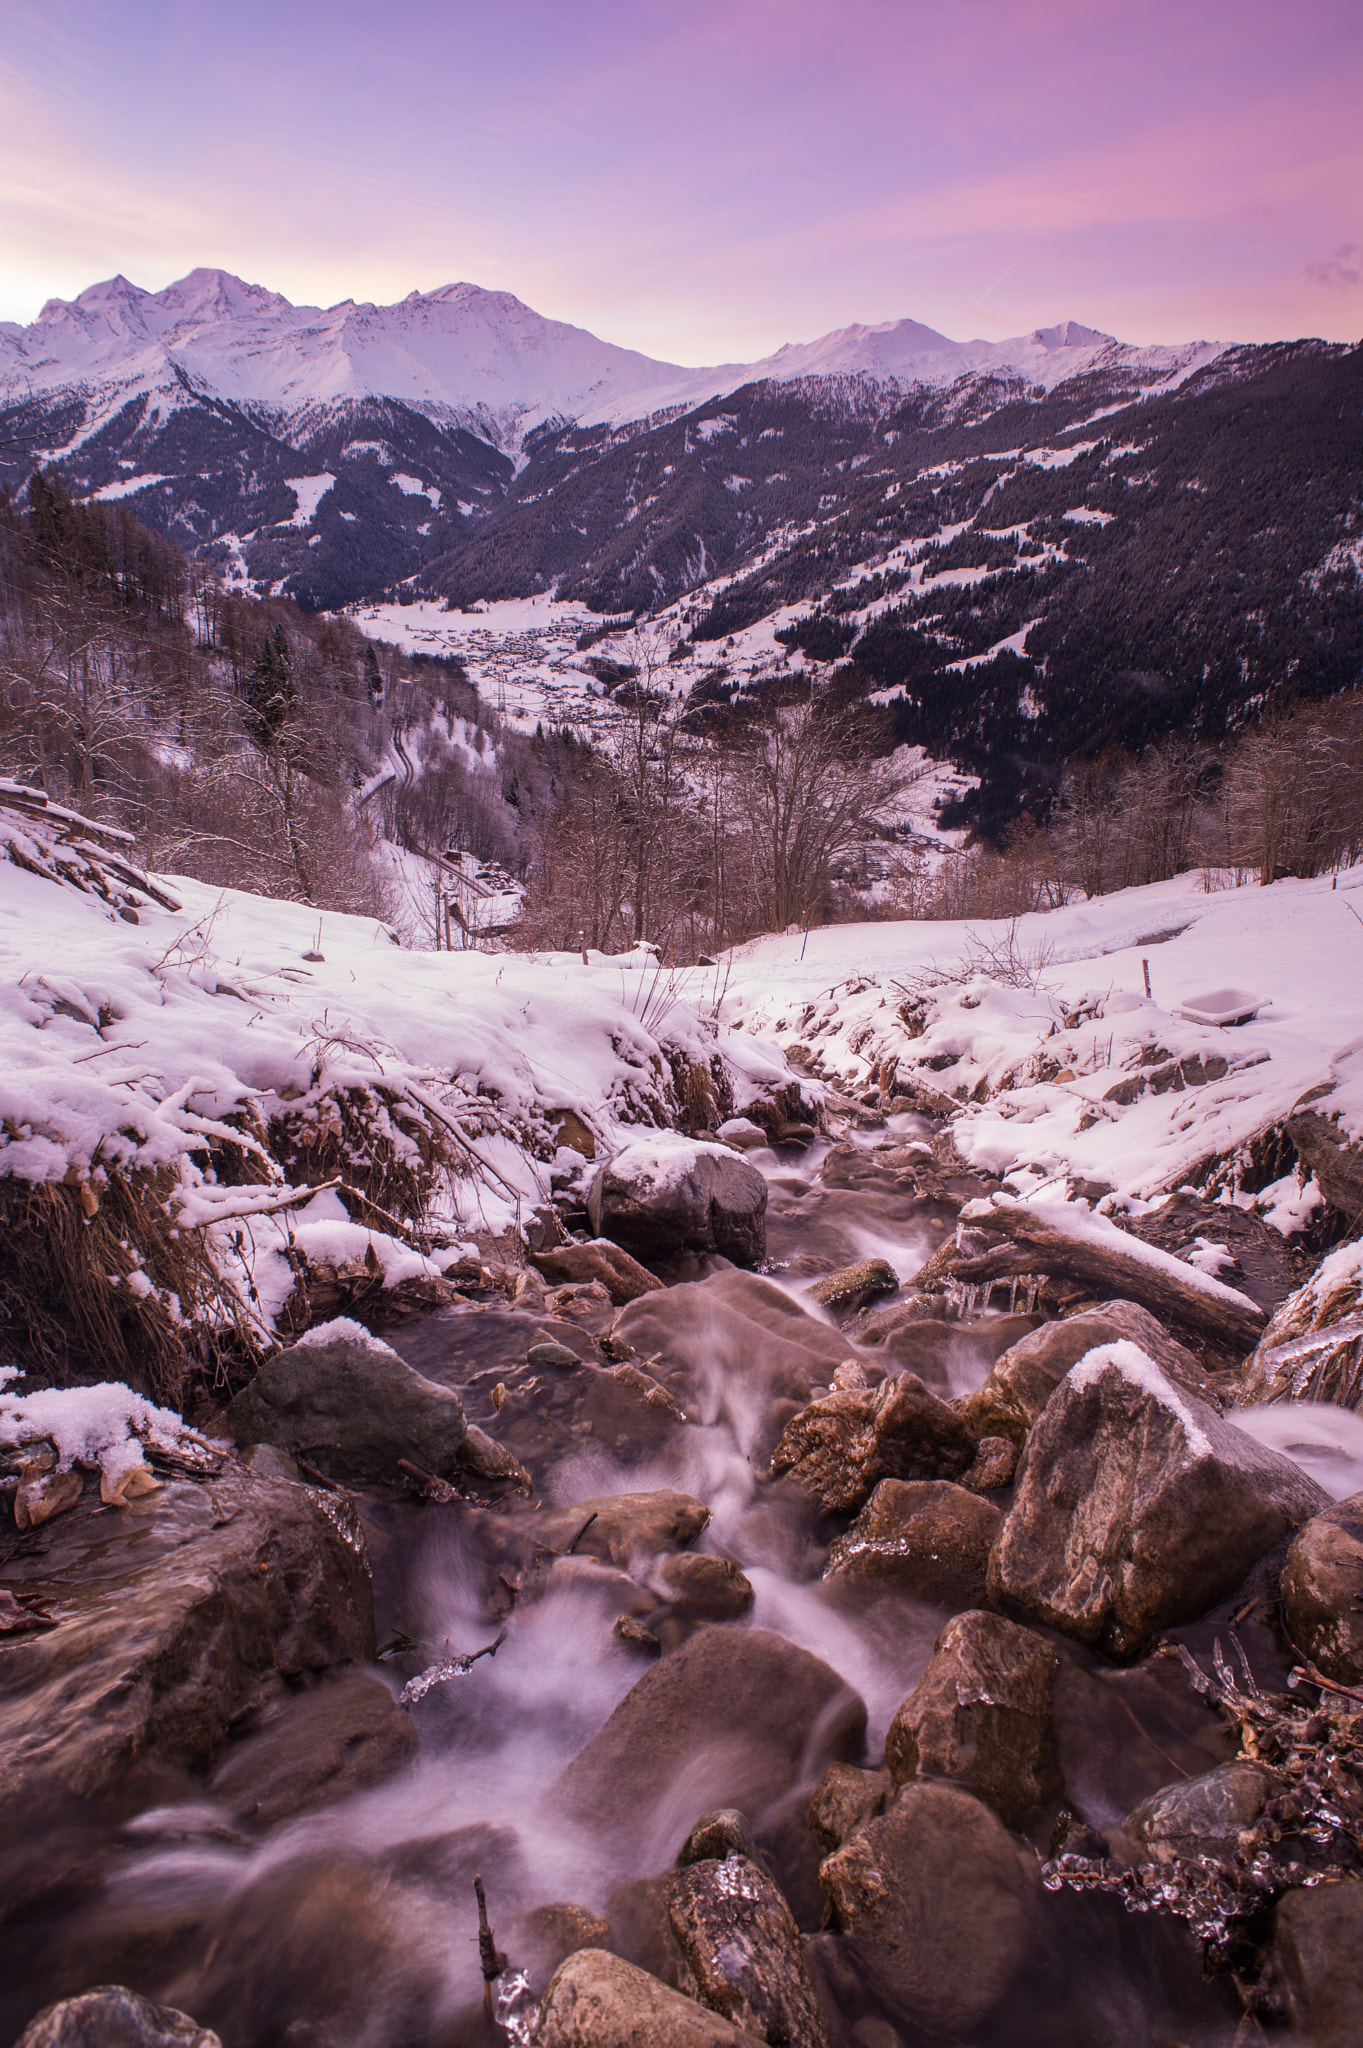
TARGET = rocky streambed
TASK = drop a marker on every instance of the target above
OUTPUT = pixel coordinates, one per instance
(800, 1656)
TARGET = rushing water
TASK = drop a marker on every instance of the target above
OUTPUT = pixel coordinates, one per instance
(355, 1926)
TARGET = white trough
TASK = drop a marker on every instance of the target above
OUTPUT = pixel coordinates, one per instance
(1223, 1006)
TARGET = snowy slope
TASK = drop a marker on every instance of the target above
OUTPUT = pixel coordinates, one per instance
(466, 352)
(1033, 1064)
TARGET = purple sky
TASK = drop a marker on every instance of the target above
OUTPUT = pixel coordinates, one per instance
(708, 181)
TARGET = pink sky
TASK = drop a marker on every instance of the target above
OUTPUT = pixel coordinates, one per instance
(704, 182)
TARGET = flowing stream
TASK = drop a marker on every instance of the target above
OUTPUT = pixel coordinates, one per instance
(356, 1924)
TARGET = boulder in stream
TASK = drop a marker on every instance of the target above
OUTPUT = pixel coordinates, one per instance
(1021, 1382)
(1200, 1816)
(740, 1939)
(111, 2016)
(597, 2000)
(940, 1907)
(1138, 1507)
(924, 1537)
(314, 1748)
(734, 1717)
(352, 1406)
(841, 1447)
(172, 1616)
(665, 1194)
(624, 1529)
(844, 1800)
(1322, 1590)
(980, 1716)
(1318, 1962)
(623, 1278)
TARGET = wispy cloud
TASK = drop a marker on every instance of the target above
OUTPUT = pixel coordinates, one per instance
(1341, 272)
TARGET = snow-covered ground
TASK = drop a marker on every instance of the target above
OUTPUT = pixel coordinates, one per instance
(1030, 1067)
(126, 1042)
(125, 1045)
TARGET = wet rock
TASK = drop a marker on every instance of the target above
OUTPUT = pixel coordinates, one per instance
(940, 1907)
(1200, 1816)
(981, 1716)
(732, 1331)
(632, 1632)
(549, 1352)
(740, 1939)
(113, 2017)
(845, 1799)
(1122, 1734)
(716, 1835)
(923, 1537)
(1318, 1962)
(172, 1616)
(734, 1717)
(1138, 1507)
(665, 1193)
(1322, 1590)
(352, 1405)
(623, 1278)
(702, 1587)
(624, 1528)
(597, 2000)
(996, 1461)
(841, 1447)
(547, 1935)
(851, 1289)
(327, 1946)
(1022, 1381)
(641, 1930)
(268, 1463)
(314, 1748)
(445, 1864)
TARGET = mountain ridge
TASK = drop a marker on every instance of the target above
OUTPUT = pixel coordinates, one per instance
(476, 351)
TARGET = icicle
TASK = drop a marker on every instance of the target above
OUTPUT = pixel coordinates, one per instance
(1013, 1295)
(1033, 1289)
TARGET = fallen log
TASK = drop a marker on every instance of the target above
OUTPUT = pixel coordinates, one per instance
(1054, 1239)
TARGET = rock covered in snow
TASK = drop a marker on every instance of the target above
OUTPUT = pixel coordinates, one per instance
(1021, 1382)
(1138, 1507)
(665, 1193)
(352, 1406)
(980, 1716)
(1322, 1590)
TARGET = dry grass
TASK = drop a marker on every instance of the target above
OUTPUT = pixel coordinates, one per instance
(69, 1314)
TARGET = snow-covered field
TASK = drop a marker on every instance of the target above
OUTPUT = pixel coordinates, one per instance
(125, 1046)
(1030, 1066)
(126, 1043)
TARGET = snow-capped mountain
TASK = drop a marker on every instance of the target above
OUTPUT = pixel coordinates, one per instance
(481, 356)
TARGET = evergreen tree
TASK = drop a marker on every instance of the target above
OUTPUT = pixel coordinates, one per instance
(269, 690)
